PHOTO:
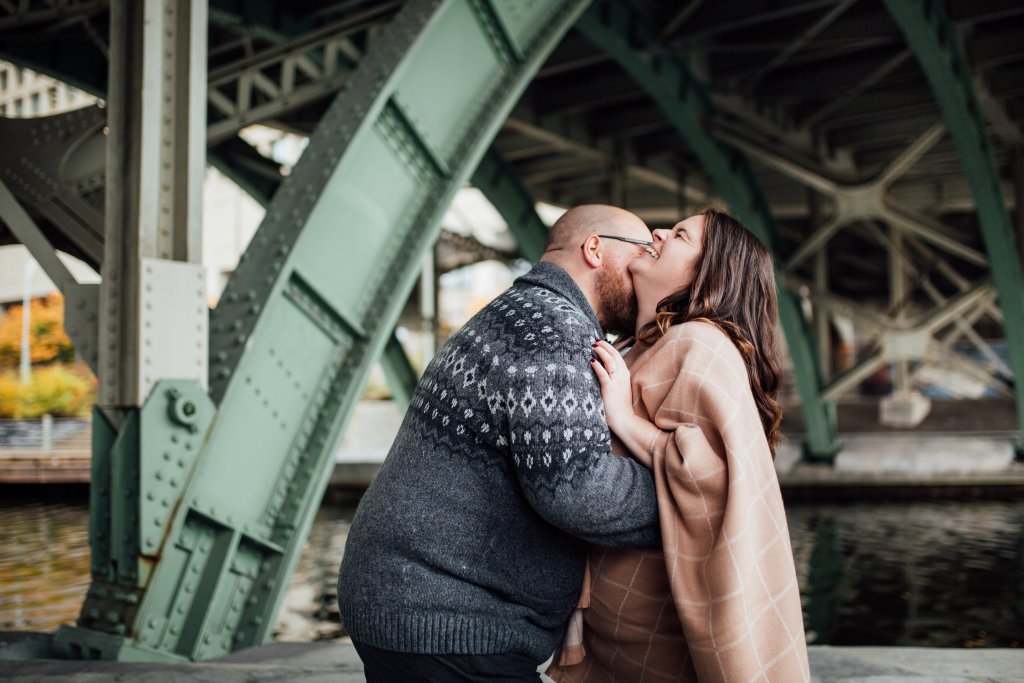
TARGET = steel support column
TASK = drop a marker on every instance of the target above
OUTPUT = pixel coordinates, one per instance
(156, 161)
(152, 313)
(620, 30)
(933, 39)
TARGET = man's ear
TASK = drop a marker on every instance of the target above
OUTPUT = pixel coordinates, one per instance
(592, 251)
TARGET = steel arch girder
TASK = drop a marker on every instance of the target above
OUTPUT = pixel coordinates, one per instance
(933, 39)
(495, 178)
(505, 191)
(314, 301)
(618, 29)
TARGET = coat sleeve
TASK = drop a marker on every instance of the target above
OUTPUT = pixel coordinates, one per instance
(561, 453)
(727, 548)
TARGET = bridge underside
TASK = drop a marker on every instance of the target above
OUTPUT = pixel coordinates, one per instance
(875, 147)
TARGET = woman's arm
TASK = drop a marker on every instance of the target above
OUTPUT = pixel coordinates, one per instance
(637, 434)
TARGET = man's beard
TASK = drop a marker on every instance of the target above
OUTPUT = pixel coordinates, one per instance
(617, 308)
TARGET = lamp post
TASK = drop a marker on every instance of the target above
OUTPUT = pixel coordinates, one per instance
(26, 319)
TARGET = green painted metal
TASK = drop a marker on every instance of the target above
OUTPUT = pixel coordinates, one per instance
(618, 28)
(236, 159)
(77, 57)
(310, 307)
(400, 373)
(505, 191)
(138, 473)
(933, 39)
(231, 159)
(824, 581)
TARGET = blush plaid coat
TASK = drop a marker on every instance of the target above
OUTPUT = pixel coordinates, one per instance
(720, 602)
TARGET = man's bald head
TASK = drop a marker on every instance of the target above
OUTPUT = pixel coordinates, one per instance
(580, 222)
(600, 266)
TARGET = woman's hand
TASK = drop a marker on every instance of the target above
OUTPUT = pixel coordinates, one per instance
(616, 390)
(636, 433)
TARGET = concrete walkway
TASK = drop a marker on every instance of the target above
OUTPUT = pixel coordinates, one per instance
(336, 662)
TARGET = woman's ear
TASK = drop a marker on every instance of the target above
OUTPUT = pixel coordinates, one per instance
(592, 251)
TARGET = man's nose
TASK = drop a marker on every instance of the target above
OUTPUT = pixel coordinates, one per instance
(661, 234)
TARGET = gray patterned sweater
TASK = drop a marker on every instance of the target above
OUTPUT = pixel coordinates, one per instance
(472, 538)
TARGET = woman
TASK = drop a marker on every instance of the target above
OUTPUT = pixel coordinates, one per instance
(694, 400)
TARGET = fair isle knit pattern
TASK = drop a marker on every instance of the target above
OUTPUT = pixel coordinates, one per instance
(473, 536)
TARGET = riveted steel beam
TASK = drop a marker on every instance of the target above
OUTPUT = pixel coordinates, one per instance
(80, 57)
(156, 159)
(503, 188)
(50, 164)
(572, 138)
(399, 371)
(28, 13)
(933, 40)
(495, 178)
(310, 67)
(622, 32)
(261, 180)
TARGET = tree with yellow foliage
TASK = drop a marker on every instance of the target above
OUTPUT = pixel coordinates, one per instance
(60, 387)
(48, 342)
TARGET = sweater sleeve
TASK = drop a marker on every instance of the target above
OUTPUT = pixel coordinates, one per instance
(560, 449)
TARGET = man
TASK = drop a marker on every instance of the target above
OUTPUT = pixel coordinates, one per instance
(467, 553)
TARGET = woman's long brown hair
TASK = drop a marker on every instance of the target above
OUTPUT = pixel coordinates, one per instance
(733, 288)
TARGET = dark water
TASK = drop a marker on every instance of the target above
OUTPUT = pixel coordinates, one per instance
(945, 574)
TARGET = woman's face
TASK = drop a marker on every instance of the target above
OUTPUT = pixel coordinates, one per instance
(678, 251)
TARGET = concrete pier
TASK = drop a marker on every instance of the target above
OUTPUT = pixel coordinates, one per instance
(337, 662)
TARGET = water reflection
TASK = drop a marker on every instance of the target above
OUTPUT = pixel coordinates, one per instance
(44, 565)
(941, 574)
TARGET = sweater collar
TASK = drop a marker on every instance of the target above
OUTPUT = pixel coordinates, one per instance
(549, 276)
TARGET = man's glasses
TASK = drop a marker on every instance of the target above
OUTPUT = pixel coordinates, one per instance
(631, 240)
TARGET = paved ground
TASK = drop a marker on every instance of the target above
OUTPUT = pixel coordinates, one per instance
(336, 662)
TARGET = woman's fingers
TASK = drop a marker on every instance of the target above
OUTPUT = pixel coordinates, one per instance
(613, 376)
(606, 358)
(599, 370)
(612, 359)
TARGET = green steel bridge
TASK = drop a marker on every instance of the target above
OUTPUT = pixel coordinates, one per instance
(875, 145)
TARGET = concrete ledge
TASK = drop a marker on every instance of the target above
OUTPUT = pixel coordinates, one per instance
(337, 662)
(917, 664)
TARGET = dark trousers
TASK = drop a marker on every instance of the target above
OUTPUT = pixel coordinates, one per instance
(385, 666)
